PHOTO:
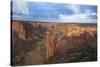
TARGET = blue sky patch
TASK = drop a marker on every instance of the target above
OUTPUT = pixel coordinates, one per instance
(54, 12)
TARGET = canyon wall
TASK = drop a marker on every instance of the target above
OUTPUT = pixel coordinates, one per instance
(40, 43)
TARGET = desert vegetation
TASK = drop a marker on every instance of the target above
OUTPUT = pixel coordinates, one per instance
(49, 43)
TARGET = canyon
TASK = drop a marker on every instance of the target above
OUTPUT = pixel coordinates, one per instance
(35, 42)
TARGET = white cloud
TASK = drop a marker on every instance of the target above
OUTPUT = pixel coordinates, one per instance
(20, 6)
(90, 12)
(77, 18)
(93, 14)
(74, 8)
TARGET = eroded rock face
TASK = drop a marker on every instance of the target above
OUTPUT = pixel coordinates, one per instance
(17, 27)
(26, 38)
(23, 29)
(19, 43)
(40, 43)
(75, 49)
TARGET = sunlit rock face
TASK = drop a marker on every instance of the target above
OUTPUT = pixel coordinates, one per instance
(23, 29)
(73, 30)
(17, 27)
(44, 43)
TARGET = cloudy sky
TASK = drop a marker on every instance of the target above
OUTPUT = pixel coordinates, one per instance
(55, 12)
